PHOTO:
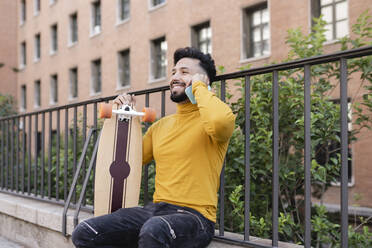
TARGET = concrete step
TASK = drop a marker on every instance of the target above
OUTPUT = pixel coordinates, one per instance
(5, 243)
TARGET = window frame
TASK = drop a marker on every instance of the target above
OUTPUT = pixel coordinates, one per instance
(316, 10)
(37, 47)
(37, 7)
(119, 18)
(23, 54)
(53, 93)
(155, 6)
(23, 12)
(23, 102)
(122, 69)
(37, 93)
(53, 39)
(155, 75)
(96, 76)
(195, 36)
(247, 32)
(96, 11)
(73, 29)
(73, 82)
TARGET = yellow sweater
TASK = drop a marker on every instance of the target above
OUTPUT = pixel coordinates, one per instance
(189, 148)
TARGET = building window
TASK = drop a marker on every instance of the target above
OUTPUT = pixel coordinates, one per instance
(23, 54)
(155, 3)
(37, 47)
(123, 10)
(96, 18)
(53, 89)
(36, 7)
(96, 76)
(54, 39)
(23, 97)
(51, 2)
(158, 58)
(201, 37)
(335, 13)
(73, 28)
(256, 32)
(23, 11)
(37, 94)
(73, 83)
(124, 68)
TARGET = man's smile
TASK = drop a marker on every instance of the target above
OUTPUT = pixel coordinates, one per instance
(175, 85)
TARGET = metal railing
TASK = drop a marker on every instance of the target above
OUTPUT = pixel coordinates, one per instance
(29, 170)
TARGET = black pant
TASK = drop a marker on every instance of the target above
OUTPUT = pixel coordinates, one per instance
(155, 225)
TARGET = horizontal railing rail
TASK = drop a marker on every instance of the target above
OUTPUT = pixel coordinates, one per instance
(39, 150)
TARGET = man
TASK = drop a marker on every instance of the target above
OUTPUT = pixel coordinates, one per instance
(188, 148)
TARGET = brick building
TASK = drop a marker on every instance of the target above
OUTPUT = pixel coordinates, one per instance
(69, 51)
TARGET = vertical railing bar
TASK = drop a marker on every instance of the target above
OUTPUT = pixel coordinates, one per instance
(307, 155)
(65, 166)
(344, 153)
(95, 137)
(50, 145)
(36, 153)
(2, 155)
(7, 155)
(84, 138)
(146, 172)
(247, 156)
(2, 178)
(11, 169)
(42, 153)
(29, 155)
(58, 153)
(275, 151)
(162, 103)
(17, 155)
(74, 148)
(222, 177)
(23, 154)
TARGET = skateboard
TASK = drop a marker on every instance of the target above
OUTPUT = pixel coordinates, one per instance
(119, 158)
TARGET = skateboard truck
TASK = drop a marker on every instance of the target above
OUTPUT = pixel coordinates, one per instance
(125, 112)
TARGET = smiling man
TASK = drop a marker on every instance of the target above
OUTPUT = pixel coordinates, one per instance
(188, 148)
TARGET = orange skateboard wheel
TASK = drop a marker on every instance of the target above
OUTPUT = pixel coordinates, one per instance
(105, 110)
(150, 115)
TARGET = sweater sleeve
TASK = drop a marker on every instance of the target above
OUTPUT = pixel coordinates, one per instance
(147, 154)
(217, 117)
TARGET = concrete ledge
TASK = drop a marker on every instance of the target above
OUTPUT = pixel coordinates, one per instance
(37, 224)
(34, 223)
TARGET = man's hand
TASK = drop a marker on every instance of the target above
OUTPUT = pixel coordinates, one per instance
(125, 99)
(199, 77)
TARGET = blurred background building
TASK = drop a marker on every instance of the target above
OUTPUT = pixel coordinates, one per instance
(56, 52)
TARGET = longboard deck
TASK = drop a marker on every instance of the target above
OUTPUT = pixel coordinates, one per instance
(106, 186)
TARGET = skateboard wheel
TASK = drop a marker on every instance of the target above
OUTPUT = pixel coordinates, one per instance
(105, 110)
(150, 115)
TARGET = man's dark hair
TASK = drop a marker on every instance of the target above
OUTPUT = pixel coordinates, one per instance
(206, 61)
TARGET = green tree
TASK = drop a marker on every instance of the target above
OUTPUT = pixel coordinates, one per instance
(325, 126)
(7, 105)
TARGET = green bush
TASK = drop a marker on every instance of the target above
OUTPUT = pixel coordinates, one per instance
(325, 128)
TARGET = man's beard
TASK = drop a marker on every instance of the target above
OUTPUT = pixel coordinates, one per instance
(178, 97)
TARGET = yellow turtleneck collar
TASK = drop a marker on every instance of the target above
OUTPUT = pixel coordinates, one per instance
(186, 108)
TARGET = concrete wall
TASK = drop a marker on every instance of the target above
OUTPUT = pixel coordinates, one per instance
(8, 47)
(36, 224)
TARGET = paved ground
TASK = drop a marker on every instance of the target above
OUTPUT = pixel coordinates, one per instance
(4, 243)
